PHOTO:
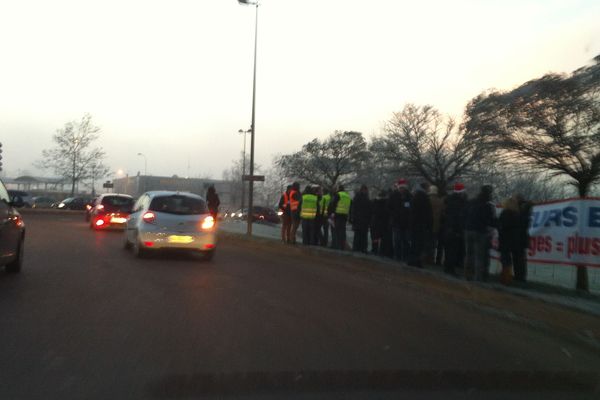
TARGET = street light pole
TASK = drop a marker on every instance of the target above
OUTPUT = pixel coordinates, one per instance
(253, 125)
(145, 163)
(244, 168)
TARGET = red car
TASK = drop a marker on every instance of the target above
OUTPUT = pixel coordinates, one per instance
(110, 211)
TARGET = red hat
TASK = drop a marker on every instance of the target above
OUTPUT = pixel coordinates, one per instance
(459, 187)
(402, 183)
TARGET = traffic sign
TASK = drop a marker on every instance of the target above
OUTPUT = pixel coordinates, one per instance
(108, 185)
(254, 178)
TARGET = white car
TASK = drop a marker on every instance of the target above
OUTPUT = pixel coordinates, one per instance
(171, 220)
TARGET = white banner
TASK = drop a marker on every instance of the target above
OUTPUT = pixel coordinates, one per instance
(564, 232)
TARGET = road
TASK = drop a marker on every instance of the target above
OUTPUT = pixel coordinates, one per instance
(85, 319)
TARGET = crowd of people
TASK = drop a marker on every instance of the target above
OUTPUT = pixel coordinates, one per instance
(419, 227)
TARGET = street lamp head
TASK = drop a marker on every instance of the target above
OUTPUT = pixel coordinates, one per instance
(140, 154)
(248, 2)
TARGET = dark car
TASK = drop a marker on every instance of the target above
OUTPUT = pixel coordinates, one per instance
(74, 203)
(12, 231)
(265, 214)
(110, 211)
(42, 202)
(26, 198)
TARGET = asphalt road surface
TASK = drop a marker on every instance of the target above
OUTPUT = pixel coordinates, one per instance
(86, 320)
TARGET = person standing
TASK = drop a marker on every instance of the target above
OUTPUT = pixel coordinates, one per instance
(454, 214)
(360, 218)
(479, 226)
(325, 200)
(295, 199)
(286, 217)
(399, 205)
(213, 202)
(435, 248)
(379, 223)
(509, 240)
(339, 209)
(308, 214)
(520, 265)
(420, 226)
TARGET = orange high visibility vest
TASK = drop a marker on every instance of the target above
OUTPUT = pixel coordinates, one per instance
(294, 204)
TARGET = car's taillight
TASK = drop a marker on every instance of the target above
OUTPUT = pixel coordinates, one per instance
(149, 217)
(87, 206)
(208, 222)
(99, 207)
(99, 222)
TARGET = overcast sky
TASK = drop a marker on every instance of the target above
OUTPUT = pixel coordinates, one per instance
(173, 79)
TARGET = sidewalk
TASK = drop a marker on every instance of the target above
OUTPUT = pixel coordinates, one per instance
(588, 303)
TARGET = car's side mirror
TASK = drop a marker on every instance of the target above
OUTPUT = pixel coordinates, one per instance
(17, 201)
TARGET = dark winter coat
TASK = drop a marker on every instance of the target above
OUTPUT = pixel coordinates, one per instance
(380, 218)
(525, 208)
(212, 200)
(481, 216)
(510, 235)
(421, 216)
(360, 212)
(455, 211)
(399, 206)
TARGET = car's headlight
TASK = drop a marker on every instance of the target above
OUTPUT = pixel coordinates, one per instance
(61, 205)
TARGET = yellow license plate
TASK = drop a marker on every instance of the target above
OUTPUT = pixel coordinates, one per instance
(180, 239)
(118, 220)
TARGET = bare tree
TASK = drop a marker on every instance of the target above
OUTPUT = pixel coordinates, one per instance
(336, 160)
(419, 141)
(73, 157)
(547, 124)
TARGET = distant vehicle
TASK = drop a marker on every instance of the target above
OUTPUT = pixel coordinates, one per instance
(73, 203)
(171, 220)
(265, 214)
(42, 202)
(12, 231)
(260, 213)
(110, 211)
(25, 197)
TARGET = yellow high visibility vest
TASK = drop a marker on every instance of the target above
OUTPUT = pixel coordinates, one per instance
(308, 209)
(343, 206)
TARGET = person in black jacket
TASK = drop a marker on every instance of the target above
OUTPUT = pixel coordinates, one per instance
(212, 200)
(399, 205)
(479, 226)
(421, 221)
(509, 226)
(380, 224)
(520, 266)
(360, 218)
(455, 208)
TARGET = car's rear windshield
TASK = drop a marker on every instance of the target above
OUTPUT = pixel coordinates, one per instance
(117, 203)
(178, 204)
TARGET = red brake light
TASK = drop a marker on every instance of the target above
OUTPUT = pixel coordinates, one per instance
(149, 217)
(208, 222)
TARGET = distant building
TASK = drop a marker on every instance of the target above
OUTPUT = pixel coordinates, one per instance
(136, 185)
(36, 184)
